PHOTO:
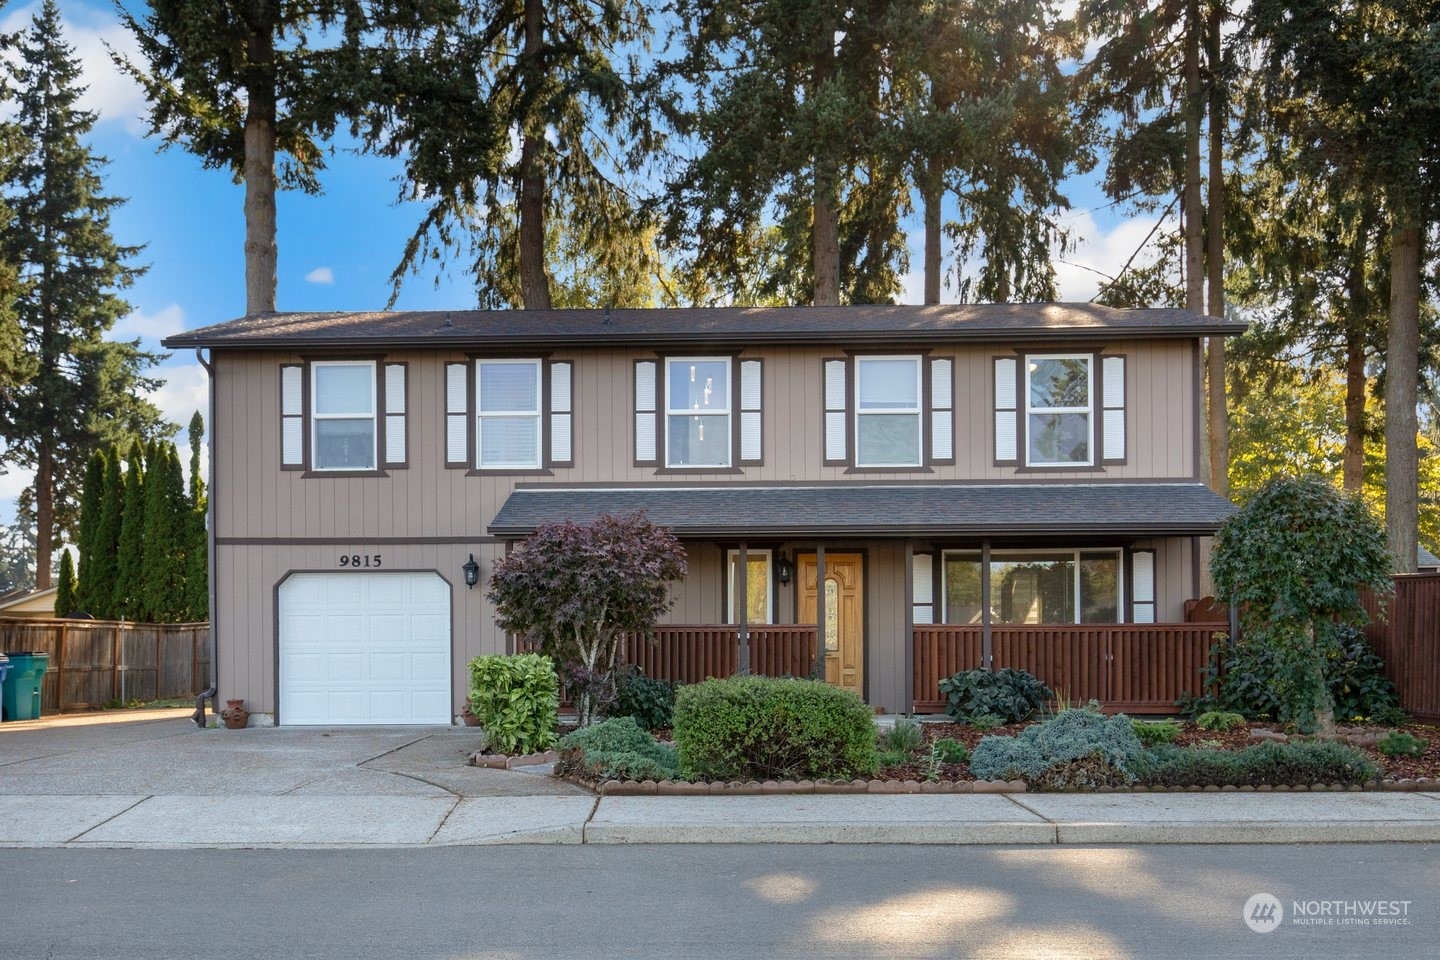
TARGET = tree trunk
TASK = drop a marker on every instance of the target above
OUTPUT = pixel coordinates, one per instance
(260, 250)
(825, 226)
(534, 283)
(1355, 383)
(1193, 106)
(44, 516)
(1215, 262)
(1401, 361)
(931, 196)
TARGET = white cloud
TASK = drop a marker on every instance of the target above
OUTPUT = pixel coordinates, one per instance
(1099, 255)
(164, 322)
(320, 275)
(185, 390)
(110, 93)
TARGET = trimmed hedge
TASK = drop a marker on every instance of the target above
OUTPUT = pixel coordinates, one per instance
(766, 728)
(1276, 764)
(617, 749)
(517, 701)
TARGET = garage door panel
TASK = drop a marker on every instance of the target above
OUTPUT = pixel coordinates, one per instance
(365, 648)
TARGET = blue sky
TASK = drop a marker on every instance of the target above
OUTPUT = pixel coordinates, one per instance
(336, 251)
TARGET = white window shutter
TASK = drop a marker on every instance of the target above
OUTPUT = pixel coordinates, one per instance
(942, 384)
(751, 445)
(836, 413)
(561, 411)
(922, 582)
(395, 439)
(457, 414)
(942, 410)
(1007, 414)
(1142, 585)
(292, 415)
(292, 445)
(942, 435)
(645, 399)
(1113, 416)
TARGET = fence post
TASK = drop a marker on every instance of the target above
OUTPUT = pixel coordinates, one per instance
(59, 669)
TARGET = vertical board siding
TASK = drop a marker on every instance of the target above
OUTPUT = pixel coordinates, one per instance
(1140, 668)
(1406, 635)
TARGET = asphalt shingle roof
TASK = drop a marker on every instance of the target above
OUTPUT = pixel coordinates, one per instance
(862, 510)
(887, 323)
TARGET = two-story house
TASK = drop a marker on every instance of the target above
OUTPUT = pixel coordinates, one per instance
(878, 494)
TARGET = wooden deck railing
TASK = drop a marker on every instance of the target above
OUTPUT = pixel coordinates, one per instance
(1138, 668)
(691, 653)
(92, 661)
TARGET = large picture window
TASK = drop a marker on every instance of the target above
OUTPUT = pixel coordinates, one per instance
(507, 421)
(1060, 401)
(342, 420)
(1036, 586)
(697, 412)
(887, 412)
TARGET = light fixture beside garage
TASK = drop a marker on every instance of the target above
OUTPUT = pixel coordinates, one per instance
(472, 571)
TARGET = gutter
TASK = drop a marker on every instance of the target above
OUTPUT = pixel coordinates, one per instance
(209, 693)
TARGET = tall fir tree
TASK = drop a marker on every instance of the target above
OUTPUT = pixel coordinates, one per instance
(86, 541)
(102, 564)
(65, 601)
(197, 566)
(130, 556)
(82, 391)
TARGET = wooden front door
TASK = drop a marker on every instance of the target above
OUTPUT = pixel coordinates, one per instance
(844, 616)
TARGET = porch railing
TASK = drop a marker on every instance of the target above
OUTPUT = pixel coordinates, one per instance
(1137, 668)
(691, 653)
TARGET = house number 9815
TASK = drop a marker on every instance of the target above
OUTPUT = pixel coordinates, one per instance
(360, 560)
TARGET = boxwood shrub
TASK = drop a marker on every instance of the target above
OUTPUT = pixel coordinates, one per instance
(1276, 764)
(517, 701)
(617, 749)
(764, 728)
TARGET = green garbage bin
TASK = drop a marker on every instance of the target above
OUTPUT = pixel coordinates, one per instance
(21, 689)
(4, 669)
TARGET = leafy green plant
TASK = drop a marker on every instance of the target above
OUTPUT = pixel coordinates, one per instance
(1399, 743)
(984, 722)
(904, 736)
(1078, 748)
(1007, 693)
(1219, 721)
(1277, 764)
(761, 728)
(517, 701)
(617, 749)
(891, 758)
(950, 750)
(651, 702)
(1151, 732)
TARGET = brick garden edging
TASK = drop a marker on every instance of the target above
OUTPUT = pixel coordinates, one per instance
(500, 761)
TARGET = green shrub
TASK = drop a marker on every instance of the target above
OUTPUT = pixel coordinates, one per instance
(651, 702)
(891, 758)
(761, 728)
(617, 749)
(905, 736)
(517, 701)
(1012, 695)
(1401, 744)
(1151, 732)
(986, 721)
(950, 750)
(1219, 721)
(1277, 764)
(1077, 748)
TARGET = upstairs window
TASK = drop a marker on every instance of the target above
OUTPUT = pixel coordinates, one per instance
(887, 412)
(697, 412)
(507, 427)
(342, 419)
(1060, 403)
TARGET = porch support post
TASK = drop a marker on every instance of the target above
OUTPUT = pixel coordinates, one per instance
(510, 640)
(987, 639)
(820, 609)
(742, 597)
(910, 624)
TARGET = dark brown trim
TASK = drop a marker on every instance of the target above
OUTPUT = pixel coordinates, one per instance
(694, 471)
(508, 353)
(908, 644)
(500, 472)
(851, 471)
(347, 541)
(987, 634)
(385, 461)
(1200, 455)
(341, 474)
(1194, 570)
(823, 485)
(1060, 468)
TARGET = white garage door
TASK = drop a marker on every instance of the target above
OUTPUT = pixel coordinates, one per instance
(364, 648)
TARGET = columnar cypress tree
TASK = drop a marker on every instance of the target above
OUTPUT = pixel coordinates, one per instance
(197, 568)
(90, 509)
(130, 561)
(101, 565)
(65, 603)
(158, 554)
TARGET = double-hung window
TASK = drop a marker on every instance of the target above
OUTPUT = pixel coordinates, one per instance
(1060, 404)
(343, 415)
(887, 412)
(507, 417)
(697, 412)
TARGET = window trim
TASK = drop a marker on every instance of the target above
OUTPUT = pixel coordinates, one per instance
(1026, 411)
(314, 417)
(477, 416)
(732, 558)
(918, 411)
(1122, 585)
(664, 413)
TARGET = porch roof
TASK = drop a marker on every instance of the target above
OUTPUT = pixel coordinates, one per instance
(880, 510)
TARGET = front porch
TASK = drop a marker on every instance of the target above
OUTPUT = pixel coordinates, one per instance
(1135, 668)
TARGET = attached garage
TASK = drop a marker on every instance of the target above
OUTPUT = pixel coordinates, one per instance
(364, 647)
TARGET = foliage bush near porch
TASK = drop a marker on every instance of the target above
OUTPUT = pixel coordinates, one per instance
(651, 702)
(1007, 693)
(764, 728)
(1297, 762)
(1078, 748)
(617, 749)
(517, 701)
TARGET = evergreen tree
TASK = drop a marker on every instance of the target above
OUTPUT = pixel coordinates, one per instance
(130, 559)
(101, 566)
(81, 390)
(65, 603)
(91, 506)
(161, 591)
(197, 566)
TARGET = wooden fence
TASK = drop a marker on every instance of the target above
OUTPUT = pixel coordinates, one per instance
(1137, 668)
(94, 661)
(1407, 637)
(689, 654)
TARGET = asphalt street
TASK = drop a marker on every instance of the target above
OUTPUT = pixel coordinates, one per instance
(713, 901)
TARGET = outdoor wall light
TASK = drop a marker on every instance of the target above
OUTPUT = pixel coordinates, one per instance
(472, 571)
(784, 570)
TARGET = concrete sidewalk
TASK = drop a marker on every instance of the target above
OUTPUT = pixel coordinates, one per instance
(157, 781)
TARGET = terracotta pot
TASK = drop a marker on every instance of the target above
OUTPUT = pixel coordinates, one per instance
(235, 715)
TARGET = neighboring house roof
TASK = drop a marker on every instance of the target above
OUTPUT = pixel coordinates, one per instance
(1425, 560)
(1002, 510)
(855, 324)
(29, 603)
